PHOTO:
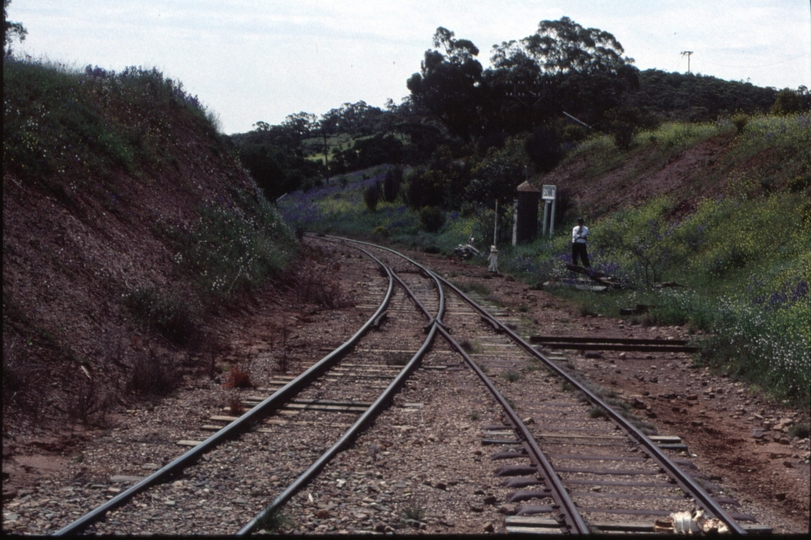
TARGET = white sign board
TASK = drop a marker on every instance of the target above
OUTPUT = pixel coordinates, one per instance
(548, 193)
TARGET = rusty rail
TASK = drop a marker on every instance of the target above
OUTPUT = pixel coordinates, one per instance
(380, 403)
(237, 426)
(685, 482)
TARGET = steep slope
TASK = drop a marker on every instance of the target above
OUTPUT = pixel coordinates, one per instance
(123, 229)
(639, 179)
(688, 163)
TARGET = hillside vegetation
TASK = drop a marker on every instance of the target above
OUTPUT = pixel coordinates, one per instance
(127, 223)
(721, 209)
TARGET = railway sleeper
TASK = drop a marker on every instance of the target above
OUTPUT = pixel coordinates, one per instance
(539, 525)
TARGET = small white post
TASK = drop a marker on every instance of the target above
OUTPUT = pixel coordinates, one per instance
(515, 222)
(495, 226)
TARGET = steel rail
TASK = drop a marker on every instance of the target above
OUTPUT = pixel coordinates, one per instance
(570, 514)
(624, 341)
(684, 481)
(238, 425)
(427, 271)
(380, 403)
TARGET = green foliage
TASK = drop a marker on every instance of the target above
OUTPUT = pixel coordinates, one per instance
(639, 239)
(623, 133)
(450, 86)
(170, 316)
(786, 102)
(739, 121)
(10, 31)
(235, 249)
(497, 176)
(673, 136)
(90, 123)
(273, 521)
(414, 512)
(512, 376)
(578, 70)
(372, 195)
(431, 218)
(275, 171)
(392, 183)
(800, 430)
(544, 146)
(425, 188)
(766, 340)
(749, 268)
(596, 412)
(368, 152)
(698, 98)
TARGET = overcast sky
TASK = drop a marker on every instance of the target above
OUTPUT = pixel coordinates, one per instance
(251, 60)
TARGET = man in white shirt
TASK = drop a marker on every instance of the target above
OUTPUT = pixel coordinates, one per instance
(579, 238)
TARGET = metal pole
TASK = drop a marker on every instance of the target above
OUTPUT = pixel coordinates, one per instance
(552, 221)
(545, 215)
(515, 222)
(495, 226)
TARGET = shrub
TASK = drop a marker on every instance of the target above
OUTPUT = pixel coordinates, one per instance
(740, 121)
(372, 196)
(273, 521)
(153, 375)
(425, 188)
(623, 134)
(317, 287)
(88, 403)
(392, 183)
(171, 317)
(432, 218)
(414, 512)
(512, 376)
(470, 347)
(233, 249)
(238, 378)
(800, 430)
(235, 407)
(596, 412)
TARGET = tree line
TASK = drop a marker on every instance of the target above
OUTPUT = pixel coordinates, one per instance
(473, 134)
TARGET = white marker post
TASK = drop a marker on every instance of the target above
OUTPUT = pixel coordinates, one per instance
(515, 222)
(495, 226)
(548, 194)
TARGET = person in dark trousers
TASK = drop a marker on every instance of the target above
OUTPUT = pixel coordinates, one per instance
(580, 236)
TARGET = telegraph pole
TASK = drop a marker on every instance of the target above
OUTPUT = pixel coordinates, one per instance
(688, 53)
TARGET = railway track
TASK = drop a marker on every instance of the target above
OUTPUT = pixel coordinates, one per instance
(351, 384)
(570, 461)
(585, 467)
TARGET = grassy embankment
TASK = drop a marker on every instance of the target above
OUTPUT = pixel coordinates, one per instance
(78, 133)
(742, 255)
(122, 170)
